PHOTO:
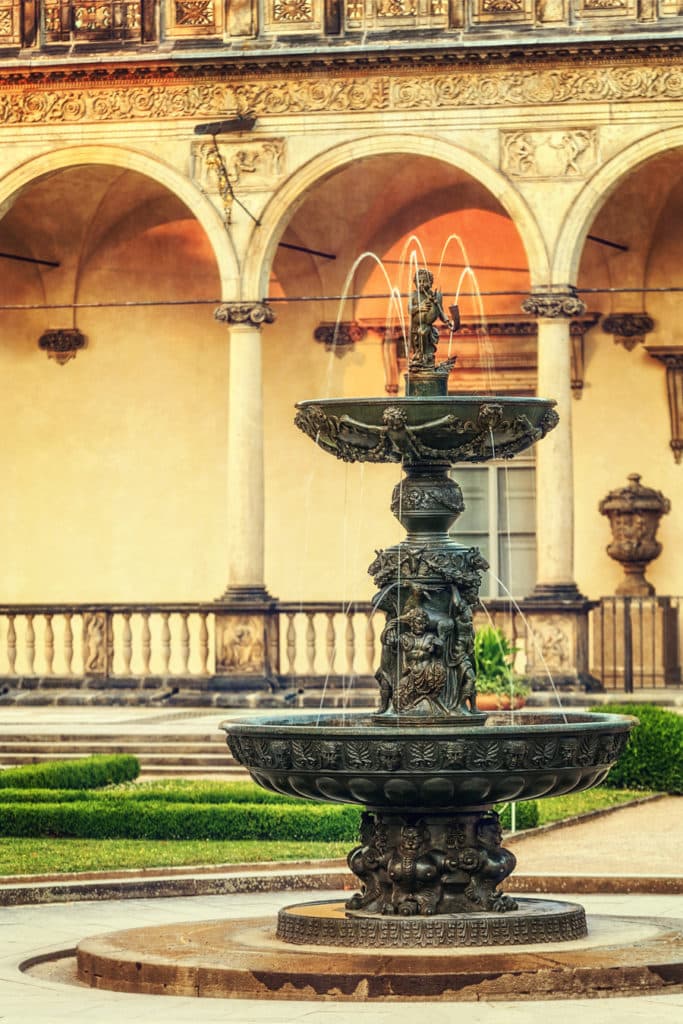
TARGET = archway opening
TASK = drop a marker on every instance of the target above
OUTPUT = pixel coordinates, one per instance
(118, 455)
(376, 204)
(633, 255)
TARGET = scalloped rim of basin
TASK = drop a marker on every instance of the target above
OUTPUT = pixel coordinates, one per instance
(503, 723)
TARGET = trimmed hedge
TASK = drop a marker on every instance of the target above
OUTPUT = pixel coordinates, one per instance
(527, 815)
(125, 819)
(653, 758)
(83, 773)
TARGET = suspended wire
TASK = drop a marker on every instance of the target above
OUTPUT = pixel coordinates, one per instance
(24, 306)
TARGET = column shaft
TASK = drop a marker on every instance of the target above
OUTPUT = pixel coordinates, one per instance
(554, 468)
(245, 461)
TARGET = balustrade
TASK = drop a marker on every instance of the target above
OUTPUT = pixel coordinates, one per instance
(636, 643)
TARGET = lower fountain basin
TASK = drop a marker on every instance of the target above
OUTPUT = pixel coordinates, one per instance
(349, 759)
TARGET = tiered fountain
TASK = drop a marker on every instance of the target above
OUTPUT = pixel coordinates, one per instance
(427, 766)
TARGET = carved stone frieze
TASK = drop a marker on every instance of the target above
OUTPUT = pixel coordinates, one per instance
(555, 155)
(185, 93)
(629, 329)
(254, 313)
(553, 305)
(250, 166)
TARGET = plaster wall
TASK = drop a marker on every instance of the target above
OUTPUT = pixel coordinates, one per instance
(116, 463)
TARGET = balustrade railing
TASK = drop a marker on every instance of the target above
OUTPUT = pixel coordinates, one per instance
(635, 643)
(116, 641)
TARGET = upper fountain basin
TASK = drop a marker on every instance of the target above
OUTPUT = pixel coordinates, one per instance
(451, 429)
(349, 759)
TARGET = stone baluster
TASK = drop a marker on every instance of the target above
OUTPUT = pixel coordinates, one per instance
(30, 646)
(184, 643)
(350, 643)
(204, 643)
(68, 644)
(127, 644)
(11, 645)
(165, 644)
(146, 645)
(310, 642)
(330, 643)
(291, 644)
(49, 645)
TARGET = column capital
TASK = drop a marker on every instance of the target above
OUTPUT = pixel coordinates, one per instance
(254, 314)
(554, 304)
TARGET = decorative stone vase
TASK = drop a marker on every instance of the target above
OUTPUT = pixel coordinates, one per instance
(634, 512)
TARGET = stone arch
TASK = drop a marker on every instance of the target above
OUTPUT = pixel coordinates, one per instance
(582, 213)
(199, 206)
(285, 202)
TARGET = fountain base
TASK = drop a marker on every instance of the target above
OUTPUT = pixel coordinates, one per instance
(532, 921)
(243, 959)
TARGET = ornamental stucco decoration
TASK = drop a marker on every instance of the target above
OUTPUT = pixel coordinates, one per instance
(553, 305)
(62, 344)
(177, 93)
(629, 329)
(254, 313)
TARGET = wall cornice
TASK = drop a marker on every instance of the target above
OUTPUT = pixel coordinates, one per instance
(146, 90)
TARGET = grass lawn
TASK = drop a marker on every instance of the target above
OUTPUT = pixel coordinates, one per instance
(46, 856)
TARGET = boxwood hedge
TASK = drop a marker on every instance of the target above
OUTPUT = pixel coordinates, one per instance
(81, 773)
(653, 758)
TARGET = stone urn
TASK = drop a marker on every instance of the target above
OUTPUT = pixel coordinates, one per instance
(634, 512)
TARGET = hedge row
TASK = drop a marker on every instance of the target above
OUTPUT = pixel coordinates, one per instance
(123, 819)
(83, 773)
(527, 815)
(653, 758)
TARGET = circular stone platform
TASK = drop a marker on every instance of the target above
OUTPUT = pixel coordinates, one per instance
(327, 924)
(245, 959)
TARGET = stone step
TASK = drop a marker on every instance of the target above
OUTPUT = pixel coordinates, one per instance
(104, 745)
(163, 758)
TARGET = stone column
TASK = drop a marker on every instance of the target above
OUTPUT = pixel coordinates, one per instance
(246, 627)
(556, 609)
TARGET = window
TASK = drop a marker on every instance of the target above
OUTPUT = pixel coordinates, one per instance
(500, 519)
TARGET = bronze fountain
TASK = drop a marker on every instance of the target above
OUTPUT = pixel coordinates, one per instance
(428, 766)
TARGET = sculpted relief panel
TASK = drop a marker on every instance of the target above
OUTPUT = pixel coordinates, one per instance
(560, 154)
(250, 166)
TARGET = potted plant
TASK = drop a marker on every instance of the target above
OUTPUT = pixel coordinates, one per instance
(498, 686)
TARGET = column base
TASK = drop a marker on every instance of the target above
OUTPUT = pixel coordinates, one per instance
(247, 638)
(245, 595)
(547, 594)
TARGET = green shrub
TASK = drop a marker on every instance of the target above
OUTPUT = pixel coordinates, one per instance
(83, 773)
(493, 660)
(125, 819)
(653, 758)
(207, 792)
(527, 814)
